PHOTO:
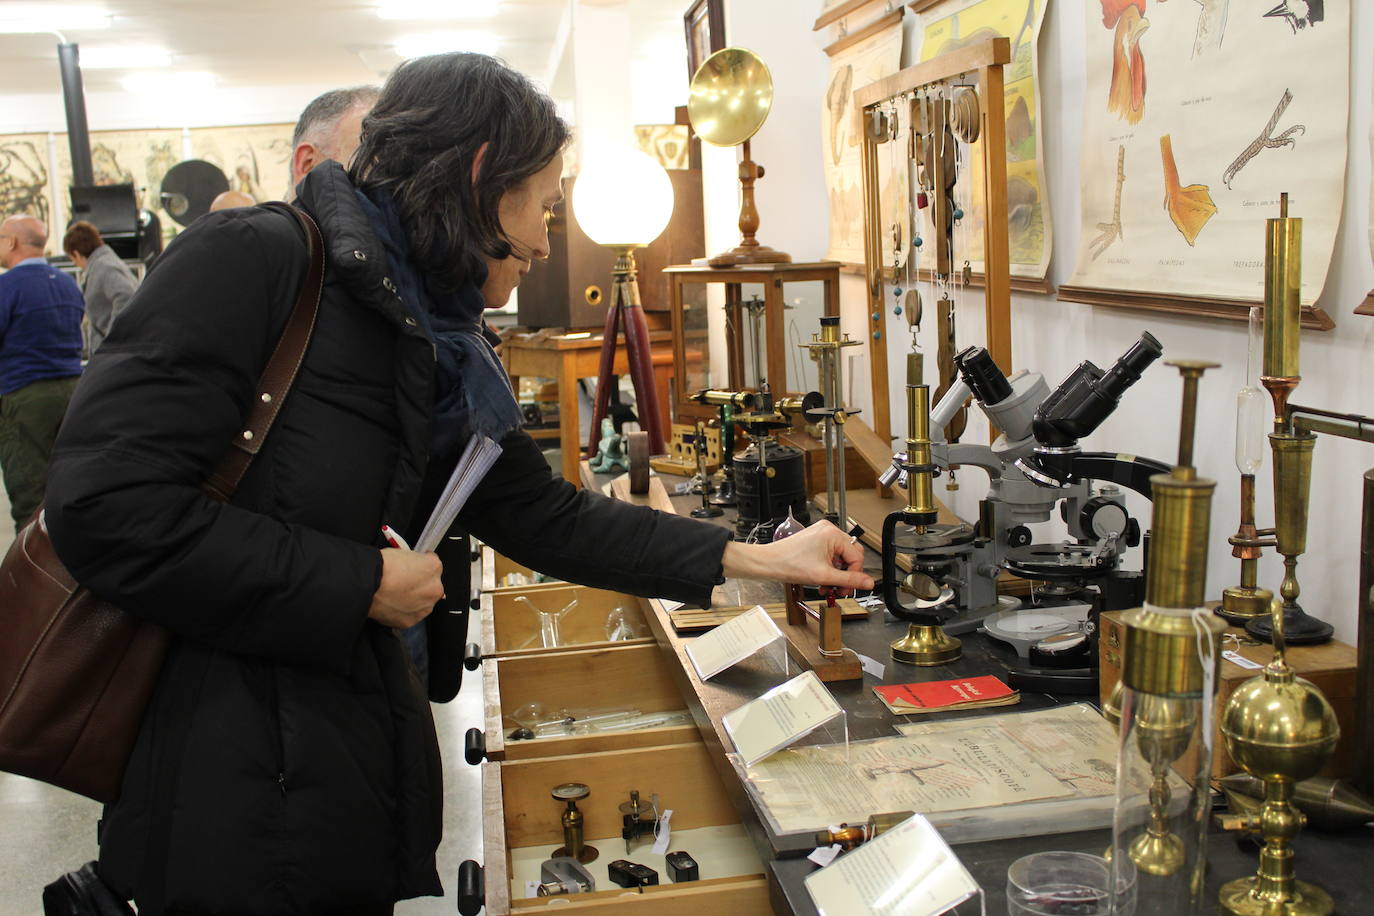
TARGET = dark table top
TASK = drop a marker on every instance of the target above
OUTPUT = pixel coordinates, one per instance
(1341, 863)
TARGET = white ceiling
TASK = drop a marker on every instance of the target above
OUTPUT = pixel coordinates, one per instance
(260, 49)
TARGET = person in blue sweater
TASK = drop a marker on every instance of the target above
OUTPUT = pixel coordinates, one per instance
(40, 359)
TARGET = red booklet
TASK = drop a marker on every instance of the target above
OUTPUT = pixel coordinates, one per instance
(941, 696)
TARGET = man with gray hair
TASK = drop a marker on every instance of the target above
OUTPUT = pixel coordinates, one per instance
(329, 128)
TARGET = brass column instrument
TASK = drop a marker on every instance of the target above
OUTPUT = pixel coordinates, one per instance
(1291, 447)
(573, 826)
(926, 643)
(1170, 659)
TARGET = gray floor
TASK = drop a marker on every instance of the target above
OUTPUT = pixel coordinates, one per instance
(45, 831)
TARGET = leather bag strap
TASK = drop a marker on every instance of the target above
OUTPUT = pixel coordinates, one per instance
(280, 373)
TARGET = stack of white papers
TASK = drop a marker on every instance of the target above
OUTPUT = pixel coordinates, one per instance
(477, 459)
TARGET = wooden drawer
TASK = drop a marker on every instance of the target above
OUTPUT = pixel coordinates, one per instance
(510, 627)
(496, 567)
(521, 827)
(616, 676)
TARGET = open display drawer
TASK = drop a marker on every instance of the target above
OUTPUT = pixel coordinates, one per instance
(512, 627)
(521, 825)
(496, 568)
(615, 677)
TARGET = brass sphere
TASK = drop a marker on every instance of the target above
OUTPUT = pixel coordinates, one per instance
(1279, 728)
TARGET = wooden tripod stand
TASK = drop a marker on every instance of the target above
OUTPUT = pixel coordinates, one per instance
(625, 304)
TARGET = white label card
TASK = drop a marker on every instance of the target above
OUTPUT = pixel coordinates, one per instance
(782, 715)
(1231, 655)
(907, 871)
(732, 642)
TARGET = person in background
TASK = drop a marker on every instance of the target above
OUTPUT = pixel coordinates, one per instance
(108, 283)
(329, 128)
(40, 359)
(228, 199)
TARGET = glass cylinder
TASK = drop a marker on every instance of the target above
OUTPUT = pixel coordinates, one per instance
(1167, 731)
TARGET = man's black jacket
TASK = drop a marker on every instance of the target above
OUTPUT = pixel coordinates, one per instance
(288, 762)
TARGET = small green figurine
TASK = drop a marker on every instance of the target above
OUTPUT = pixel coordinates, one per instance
(610, 453)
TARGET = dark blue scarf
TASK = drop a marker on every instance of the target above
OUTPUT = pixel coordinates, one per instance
(472, 393)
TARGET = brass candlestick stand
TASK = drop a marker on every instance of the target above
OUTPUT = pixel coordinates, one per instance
(1292, 448)
(1278, 728)
(1168, 680)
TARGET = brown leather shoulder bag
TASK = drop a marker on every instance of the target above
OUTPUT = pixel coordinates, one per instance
(76, 672)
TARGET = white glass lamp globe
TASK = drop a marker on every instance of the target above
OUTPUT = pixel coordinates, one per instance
(622, 197)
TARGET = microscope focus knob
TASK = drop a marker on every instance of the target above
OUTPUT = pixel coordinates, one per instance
(1102, 517)
(1020, 536)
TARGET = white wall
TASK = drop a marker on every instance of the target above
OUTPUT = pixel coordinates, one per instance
(1052, 336)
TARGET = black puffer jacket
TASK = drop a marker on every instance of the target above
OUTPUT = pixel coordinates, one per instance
(288, 762)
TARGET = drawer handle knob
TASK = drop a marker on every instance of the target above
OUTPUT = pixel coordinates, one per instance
(472, 657)
(475, 603)
(472, 895)
(474, 746)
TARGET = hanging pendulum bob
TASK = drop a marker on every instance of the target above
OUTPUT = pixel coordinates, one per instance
(1279, 728)
(573, 832)
(926, 644)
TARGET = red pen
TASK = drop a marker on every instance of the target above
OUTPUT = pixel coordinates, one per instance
(394, 539)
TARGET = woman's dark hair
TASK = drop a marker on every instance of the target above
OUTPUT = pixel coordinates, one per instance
(83, 238)
(419, 143)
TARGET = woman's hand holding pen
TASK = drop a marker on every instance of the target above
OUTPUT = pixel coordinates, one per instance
(410, 586)
(820, 555)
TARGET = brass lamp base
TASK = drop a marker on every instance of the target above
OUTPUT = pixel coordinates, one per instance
(1157, 854)
(1240, 898)
(926, 645)
(1239, 605)
(746, 254)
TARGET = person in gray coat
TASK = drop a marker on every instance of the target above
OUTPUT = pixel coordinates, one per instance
(108, 285)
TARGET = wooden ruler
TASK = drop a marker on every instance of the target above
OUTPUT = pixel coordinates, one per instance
(688, 620)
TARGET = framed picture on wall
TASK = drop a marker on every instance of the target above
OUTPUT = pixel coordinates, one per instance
(704, 24)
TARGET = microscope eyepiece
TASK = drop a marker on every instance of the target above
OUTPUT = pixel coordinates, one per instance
(1129, 367)
(982, 376)
(1088, 396)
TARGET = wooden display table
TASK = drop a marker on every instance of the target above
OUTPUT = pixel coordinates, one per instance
(567, 360)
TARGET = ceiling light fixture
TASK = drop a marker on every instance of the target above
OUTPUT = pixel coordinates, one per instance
(128, 57)
(424, 43)
(52, 17)
(183, 83)
(430, 10)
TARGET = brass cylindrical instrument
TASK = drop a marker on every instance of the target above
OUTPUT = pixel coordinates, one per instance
(1170, 658)
(920, 487)
(574, 844)
(1282, 306)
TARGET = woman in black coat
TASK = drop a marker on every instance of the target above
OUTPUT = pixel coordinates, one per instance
(288, 763)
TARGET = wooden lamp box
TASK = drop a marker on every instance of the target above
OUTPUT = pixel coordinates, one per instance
(1331, 667)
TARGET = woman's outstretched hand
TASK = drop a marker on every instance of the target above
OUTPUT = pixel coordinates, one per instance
(820, 555)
